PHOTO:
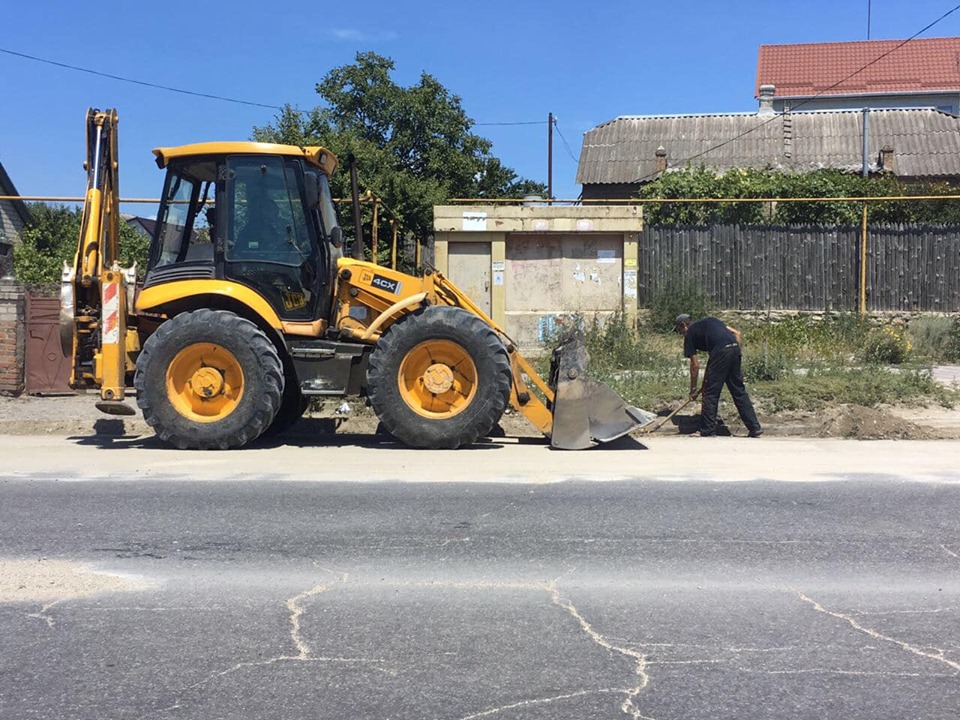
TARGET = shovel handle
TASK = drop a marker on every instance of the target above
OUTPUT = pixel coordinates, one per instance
(668, 417)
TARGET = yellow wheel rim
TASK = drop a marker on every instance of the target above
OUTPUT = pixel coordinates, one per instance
(437, 379)
(204, 382)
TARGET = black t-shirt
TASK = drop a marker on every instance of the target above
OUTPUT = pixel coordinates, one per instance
(707, 335)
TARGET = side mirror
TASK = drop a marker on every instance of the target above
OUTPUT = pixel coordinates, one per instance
(336, 236)
(312, 187)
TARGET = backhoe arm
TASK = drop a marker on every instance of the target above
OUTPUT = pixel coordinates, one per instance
(94, 300)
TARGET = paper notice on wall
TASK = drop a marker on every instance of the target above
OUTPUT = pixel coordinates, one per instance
(498, 277)
(630, 283)
(499, 265)
(541, 225)
(474, 222)
(606, 256)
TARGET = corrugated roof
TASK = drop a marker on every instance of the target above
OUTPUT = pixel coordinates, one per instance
(7, 188)
(921, 65)
(926, 143)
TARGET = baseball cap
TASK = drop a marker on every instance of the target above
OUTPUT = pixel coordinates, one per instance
(681, 318)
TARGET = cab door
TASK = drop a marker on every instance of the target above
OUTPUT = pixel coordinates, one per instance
(271, 245)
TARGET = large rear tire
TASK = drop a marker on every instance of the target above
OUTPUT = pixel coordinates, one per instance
(209, 379)
(439, 378)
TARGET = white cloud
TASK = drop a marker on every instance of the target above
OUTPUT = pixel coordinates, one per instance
(352, 35)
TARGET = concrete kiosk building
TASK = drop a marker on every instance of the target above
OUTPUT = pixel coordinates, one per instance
(532, 267)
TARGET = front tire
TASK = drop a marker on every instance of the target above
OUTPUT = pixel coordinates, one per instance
(209, 379)
(439, 378)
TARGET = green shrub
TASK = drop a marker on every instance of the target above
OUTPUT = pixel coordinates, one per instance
(678, 295)
(885, 346)
(614, 344)
(936, 338)
(766, 363)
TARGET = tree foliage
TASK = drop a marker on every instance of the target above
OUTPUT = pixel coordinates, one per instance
(703, 183)
(50, 240)
(414, 145)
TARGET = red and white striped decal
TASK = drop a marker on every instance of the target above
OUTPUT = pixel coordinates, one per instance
(111, 313)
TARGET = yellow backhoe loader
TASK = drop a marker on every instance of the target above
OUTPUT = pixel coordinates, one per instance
(249, 308)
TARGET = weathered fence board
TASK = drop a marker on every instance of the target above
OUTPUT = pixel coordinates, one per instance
(909, 267)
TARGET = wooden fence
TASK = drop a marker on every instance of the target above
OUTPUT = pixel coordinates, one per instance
(909, 267)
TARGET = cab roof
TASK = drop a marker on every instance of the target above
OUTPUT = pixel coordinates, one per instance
(316, 155)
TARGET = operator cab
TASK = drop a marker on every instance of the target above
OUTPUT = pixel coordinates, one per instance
(264, 219)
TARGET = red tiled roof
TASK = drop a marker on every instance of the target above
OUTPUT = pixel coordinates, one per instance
(921, 65)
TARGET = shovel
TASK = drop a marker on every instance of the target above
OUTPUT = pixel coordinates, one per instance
(670, 416)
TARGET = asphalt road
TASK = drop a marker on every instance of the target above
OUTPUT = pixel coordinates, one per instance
(696, 579)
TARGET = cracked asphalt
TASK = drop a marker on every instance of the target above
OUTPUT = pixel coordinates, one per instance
(696, 579)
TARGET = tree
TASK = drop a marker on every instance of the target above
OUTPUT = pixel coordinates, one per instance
(414, 145)
(51, 239)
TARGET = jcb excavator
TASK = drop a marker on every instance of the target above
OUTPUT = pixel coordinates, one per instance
(249, 308)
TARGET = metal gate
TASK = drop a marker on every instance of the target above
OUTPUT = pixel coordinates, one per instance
(46, 370)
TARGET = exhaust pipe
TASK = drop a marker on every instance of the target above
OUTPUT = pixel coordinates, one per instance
(357, 252)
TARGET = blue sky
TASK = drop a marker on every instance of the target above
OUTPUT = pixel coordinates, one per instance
(510, 62)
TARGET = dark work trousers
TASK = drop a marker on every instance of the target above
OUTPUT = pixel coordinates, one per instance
(724, 367)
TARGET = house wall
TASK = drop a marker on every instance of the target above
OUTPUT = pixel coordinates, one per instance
(948, 102)
(533, 268)
(10, 227)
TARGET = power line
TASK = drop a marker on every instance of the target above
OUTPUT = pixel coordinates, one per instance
(194, 93)
(530, 122)
(810, 99)
(566, 145)
(140, 82)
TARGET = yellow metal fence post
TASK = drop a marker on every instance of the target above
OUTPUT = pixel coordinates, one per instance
(393, 246)
(375, 232)
(863, 263)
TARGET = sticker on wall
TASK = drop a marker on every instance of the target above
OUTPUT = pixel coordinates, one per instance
(498, 265)
(606, 256)
(474, 221)
(630, 262)
(498, 277)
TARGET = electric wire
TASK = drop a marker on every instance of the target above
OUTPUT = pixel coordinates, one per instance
(140, 82)
(194, 93)
(814, 97)
(566, 145)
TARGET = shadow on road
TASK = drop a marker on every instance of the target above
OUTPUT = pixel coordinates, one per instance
(308, 432)
(315, 433)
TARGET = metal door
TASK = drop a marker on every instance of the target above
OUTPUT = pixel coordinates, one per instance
(46, 370)
(468, 266)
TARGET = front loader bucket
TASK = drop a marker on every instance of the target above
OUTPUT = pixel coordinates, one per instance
(585, 411)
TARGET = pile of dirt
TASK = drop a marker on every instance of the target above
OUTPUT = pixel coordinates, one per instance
(863, 423)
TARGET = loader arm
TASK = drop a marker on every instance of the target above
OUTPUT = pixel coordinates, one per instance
(95, 291)
(574, 411)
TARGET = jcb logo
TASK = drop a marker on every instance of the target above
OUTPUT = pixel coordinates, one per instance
(386, 284)
(293, 300)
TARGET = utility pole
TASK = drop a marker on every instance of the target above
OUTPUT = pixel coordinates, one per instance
(550, 157)
(868, 18)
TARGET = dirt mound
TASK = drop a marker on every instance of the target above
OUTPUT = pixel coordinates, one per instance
(863, 423)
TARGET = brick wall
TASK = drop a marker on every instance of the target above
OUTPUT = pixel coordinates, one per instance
(11, 338)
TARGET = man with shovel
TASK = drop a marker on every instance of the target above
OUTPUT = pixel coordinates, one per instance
(722, 342)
